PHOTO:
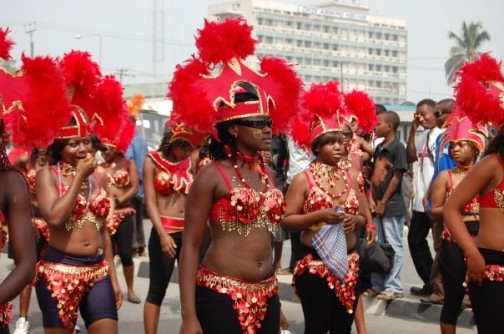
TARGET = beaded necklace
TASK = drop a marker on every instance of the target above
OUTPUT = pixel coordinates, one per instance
(65, 169)
(256, 164)
(461, 169)
(321, 171)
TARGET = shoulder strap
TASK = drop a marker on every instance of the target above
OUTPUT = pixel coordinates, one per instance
(309, 177)
(224, 175)
(450, 178)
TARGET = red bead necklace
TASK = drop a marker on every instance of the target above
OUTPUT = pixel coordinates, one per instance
(322, 171)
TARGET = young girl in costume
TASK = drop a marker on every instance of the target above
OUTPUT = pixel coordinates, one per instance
(323, 203)
(167, 175)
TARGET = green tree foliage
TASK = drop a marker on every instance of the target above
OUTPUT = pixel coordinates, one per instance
(466, 47)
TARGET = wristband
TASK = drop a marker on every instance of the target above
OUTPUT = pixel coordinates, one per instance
(370, 227)
(117, 202)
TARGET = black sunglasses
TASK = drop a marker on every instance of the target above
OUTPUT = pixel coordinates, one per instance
(260, 123)
(347, 134)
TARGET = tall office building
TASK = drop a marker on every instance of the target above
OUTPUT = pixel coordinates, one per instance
(332, 40)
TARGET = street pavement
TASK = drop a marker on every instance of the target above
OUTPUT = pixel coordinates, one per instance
(404, 315)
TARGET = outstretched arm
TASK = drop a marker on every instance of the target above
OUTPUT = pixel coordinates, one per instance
(21, 234)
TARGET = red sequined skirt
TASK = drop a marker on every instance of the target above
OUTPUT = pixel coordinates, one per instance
(250, 298)
(345, 291)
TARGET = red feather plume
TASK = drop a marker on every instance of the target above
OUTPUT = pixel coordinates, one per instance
(286, 94)
(222, 41)
(196, 110)
(323, 99)
(109, 112)
(126, 134)
(45, 104)
(472, 91)
(360, 105)
(5, 44)
(300, 132)
(82, 76)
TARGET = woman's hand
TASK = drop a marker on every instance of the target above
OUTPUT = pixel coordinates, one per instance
(118, 294)
(330, 217)
(349, 223)
(190, 326)
(86, 166)
(475, 268)
(370, 235)
(168, 245)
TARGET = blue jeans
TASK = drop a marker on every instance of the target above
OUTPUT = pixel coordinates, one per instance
(390, 229)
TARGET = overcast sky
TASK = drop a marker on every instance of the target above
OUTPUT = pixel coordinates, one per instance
(126, 30)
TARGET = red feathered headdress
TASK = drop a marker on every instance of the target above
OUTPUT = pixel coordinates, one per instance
(323, 112)
(31, 98)
(480, 90)
(459, 127)
(82, 77)
(109, 119)
(203, 88)
(361, 107)
(181, 131)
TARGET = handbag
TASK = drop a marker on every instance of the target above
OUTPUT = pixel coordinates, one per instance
(376, 258)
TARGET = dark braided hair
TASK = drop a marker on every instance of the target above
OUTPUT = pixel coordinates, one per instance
(166, 147)
(216, 147)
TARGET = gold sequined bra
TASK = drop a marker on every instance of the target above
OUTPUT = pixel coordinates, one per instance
(243, 208)
(86, 210)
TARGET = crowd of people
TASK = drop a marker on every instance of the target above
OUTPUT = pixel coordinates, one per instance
(222, 199)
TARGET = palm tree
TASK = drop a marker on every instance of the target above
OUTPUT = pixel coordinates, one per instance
(466, 48)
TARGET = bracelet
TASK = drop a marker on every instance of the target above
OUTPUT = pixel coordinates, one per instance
(370, 227)
(117, 202)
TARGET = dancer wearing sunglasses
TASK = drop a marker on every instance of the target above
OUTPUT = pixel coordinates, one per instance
(233, 289)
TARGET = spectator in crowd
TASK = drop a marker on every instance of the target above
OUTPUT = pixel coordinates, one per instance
(387, 204)
(137, 152)
(442, 161)
(279, 154)
(422, 150)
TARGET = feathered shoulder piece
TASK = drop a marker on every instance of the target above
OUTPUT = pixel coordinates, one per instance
(361, 106)
(5, 44)
(203, 88)
(32, 99)
(480, 90)
(322, 112)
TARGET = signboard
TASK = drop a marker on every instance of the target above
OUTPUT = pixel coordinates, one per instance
(333, 13)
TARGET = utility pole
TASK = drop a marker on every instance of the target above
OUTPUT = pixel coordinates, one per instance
(157, 43)
(30, 28)
(123, 72)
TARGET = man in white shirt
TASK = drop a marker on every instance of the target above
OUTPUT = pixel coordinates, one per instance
(422, 150)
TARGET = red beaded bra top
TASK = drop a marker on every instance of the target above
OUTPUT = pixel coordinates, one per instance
(318, 198)
(120, 178)
(244, 208)
(86, 210)
(495, 198)
(471, 208)
(172, 176)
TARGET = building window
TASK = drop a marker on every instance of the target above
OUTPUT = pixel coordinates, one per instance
(268, 40)
(307, 44)
(394, 53)
(370, 67)
(370, 51)
(378, 52)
